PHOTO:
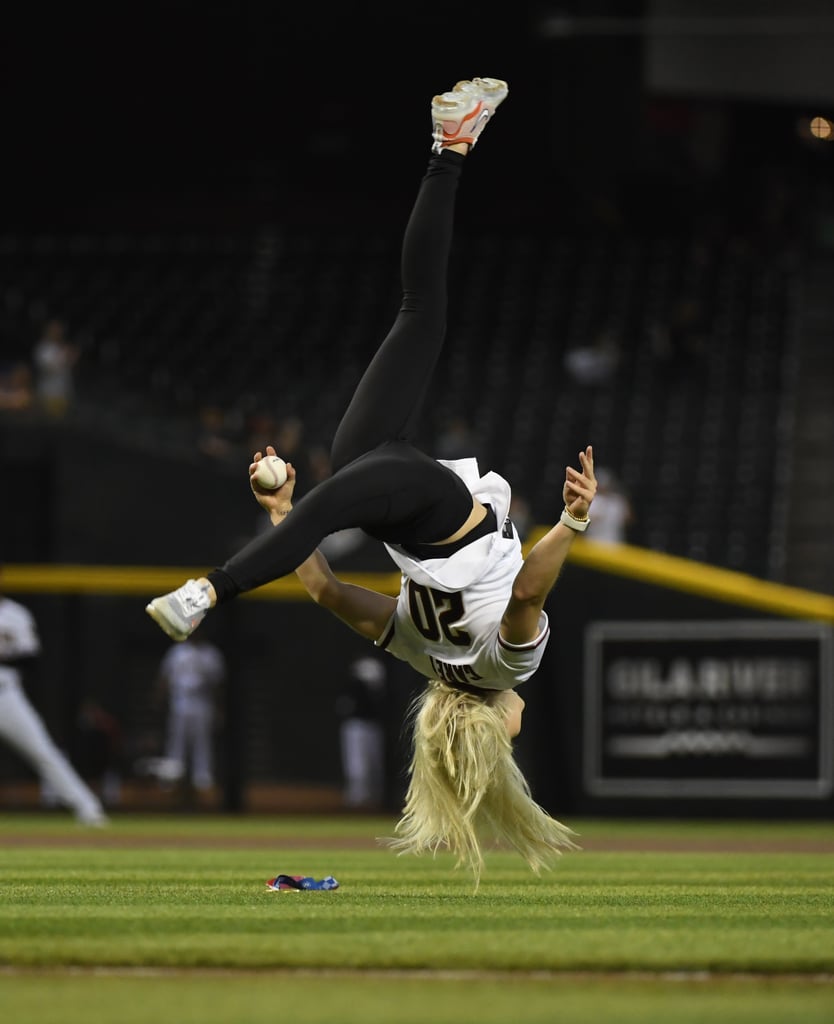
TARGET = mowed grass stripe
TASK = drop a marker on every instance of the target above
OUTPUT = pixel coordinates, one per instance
(264, 999)
(147, 906)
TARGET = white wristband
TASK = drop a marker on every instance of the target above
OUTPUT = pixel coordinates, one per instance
(566, 519)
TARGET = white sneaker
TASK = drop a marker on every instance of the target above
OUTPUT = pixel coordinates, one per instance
(179, 613)
(461, 114)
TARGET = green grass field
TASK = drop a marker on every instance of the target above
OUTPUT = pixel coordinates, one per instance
(169, 919)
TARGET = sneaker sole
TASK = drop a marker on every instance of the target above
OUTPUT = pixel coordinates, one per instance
(492, 88)
(164, 624)
(470, 104)
(489, 91)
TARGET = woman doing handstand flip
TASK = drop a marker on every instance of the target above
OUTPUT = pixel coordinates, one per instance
(470, 613)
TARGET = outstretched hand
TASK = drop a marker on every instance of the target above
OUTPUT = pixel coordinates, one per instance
(580, 485)
(279, 501)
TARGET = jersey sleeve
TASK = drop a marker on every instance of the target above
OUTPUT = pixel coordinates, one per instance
(523, 659)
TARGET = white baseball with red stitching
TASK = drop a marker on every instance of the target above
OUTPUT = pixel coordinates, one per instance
(271, 473)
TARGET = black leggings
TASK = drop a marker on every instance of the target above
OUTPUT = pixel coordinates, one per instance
(381, 483)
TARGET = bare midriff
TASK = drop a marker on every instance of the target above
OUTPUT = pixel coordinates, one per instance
(475, 516)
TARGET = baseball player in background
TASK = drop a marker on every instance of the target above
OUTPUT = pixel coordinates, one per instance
(21, 726)
(191, 674)
(362, 708)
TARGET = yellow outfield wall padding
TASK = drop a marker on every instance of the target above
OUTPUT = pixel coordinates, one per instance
(708, 581)
(148, 581)
(639, 564)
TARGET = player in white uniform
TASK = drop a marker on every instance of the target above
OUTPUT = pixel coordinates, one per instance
(21, 726)
(470, 615)
(191, 673)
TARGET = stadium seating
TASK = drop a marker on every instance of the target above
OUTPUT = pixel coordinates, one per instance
(687, 410)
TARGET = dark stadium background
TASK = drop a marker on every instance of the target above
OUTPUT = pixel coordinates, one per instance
(196, 113)
(629, 123)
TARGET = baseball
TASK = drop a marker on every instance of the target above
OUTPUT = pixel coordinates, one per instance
(271, 472)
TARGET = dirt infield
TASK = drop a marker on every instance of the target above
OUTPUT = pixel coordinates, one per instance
(113, 839)
(308, 806)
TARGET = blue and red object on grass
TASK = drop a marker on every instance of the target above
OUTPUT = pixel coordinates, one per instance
(300, 883)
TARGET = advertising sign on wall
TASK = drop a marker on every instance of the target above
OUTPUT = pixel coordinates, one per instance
(734, 709)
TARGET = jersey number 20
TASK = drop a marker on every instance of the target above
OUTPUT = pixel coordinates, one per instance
(434, 613)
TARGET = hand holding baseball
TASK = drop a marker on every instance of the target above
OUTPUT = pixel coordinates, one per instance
(275, 498)
(270, 471)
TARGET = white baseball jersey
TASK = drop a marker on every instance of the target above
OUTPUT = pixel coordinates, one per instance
(193, 670)
(18, 634)
(449, 609)
(21, 726)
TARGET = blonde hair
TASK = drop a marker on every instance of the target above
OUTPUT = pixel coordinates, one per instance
(465, 786)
